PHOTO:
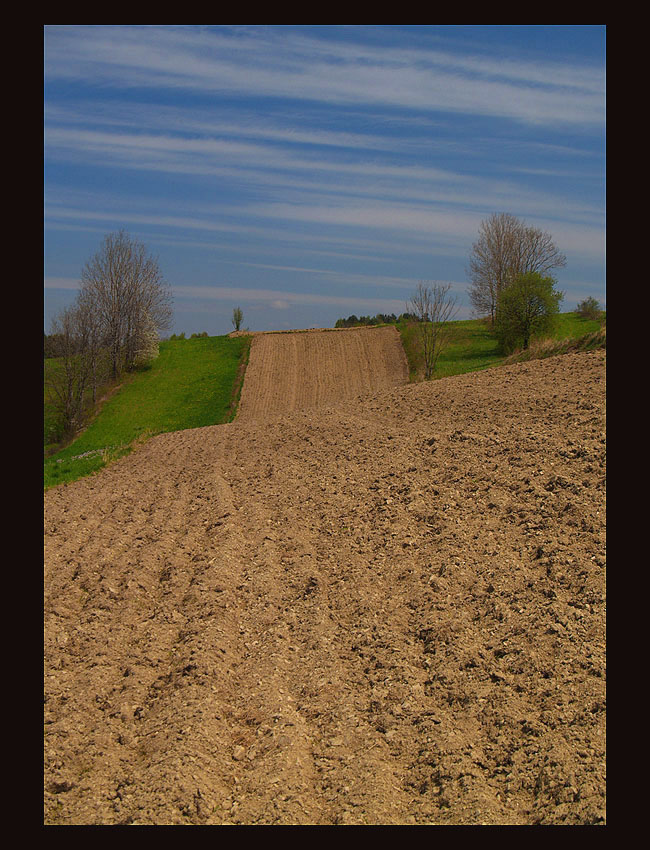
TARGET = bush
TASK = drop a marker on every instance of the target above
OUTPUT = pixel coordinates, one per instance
(525, 308)
(589, 308)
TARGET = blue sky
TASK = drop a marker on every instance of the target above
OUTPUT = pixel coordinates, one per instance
(306, 173)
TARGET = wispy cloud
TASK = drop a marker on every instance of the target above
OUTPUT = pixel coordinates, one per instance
(267, 63)
(280, 299)
(270, 158)
(358, 224)
(70, 283)
(258, 153)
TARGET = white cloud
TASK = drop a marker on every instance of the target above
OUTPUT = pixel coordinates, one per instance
(252, 168)
(61, 283)
(276, 63)
(275, 298)
(397, 177)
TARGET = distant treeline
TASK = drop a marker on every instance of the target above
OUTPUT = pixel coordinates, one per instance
(52, 342)
(193, 336)
(380, 319)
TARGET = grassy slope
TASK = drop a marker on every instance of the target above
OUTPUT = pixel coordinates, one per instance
(194, 383)
(191, 384)
(472, 347)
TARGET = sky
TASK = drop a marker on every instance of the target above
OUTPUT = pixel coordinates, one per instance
(309, 173)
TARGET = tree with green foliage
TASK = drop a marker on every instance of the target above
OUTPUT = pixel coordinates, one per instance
(525, 308)
(505, 249)
(589, 308)
(237, 317)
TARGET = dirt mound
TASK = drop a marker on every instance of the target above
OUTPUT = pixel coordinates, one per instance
(295, 371)
(387, 611)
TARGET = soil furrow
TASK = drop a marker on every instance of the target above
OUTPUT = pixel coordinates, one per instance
(386, 609)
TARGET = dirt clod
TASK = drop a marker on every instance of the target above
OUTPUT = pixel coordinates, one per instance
(308, 617)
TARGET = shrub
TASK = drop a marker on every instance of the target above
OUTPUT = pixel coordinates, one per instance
(526, 308)
(589, 308)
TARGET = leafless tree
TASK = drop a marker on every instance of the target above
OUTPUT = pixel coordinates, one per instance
(123, 287)
(434, 308)
(507, 248)
(91, 341)
(68, 381)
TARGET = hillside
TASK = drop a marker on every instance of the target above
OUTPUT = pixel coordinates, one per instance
(388, 609)
(297, 371)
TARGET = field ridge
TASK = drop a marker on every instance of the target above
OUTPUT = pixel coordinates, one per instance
(294, 371)
(386, 609)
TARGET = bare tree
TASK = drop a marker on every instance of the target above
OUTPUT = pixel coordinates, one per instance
(91, 341)
(68, 381)
(507, 248)
(124, 289)
(434, 308)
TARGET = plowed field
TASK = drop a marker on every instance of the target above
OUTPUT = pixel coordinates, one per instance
(296, 371)
(384, 610)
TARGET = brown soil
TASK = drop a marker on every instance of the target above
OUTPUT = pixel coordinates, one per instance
(296, 371)
(386, 610)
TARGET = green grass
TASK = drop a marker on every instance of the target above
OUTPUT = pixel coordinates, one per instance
(572, 326)
(550, 347)
(50, 365)
(473, 347)
(194, 382)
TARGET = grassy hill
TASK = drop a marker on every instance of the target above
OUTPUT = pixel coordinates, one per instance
(194, 382)
(472, 346)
